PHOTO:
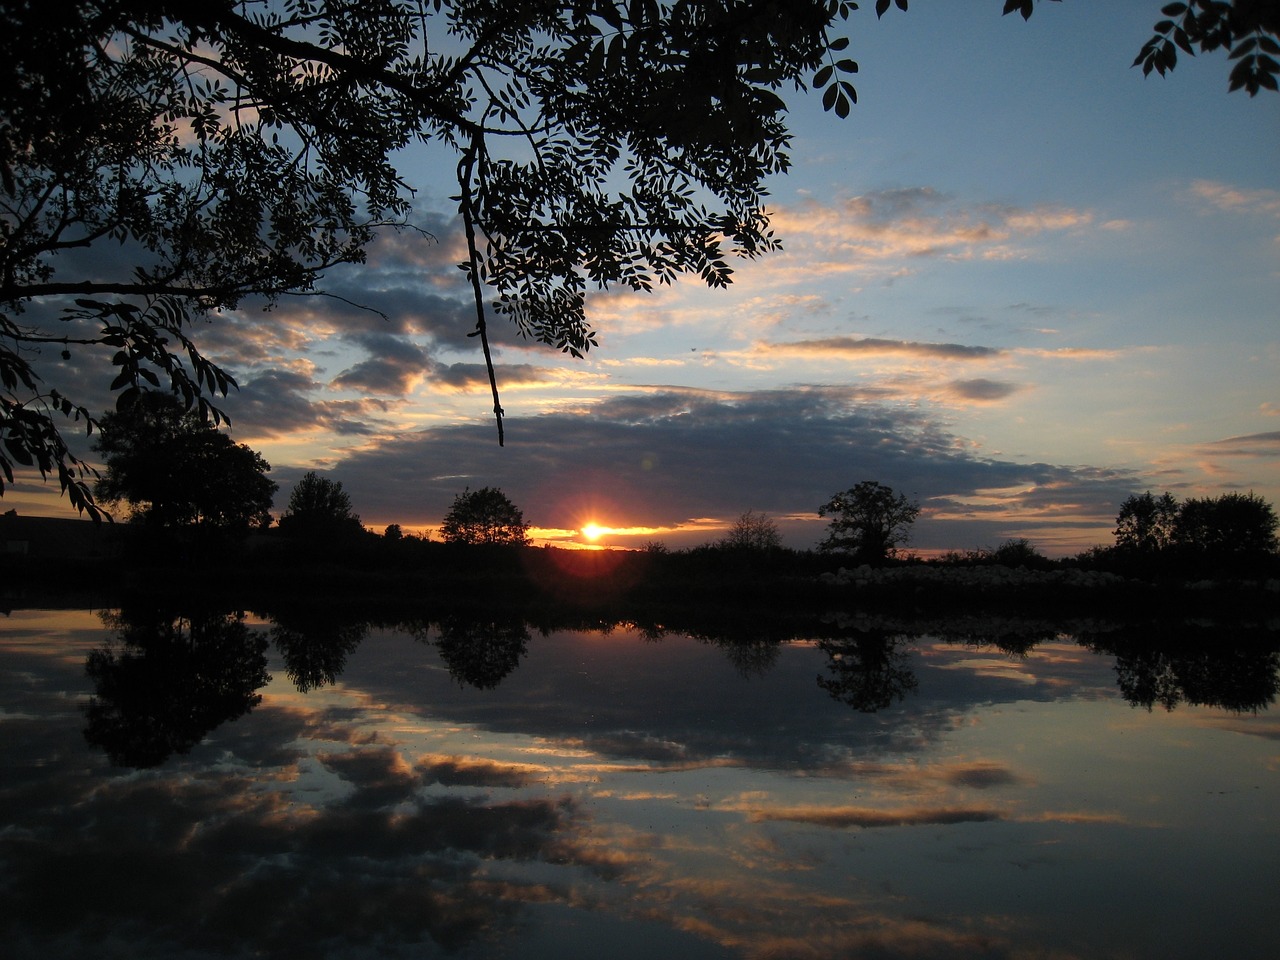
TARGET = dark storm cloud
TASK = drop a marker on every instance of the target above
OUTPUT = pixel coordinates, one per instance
(277, 403)
(394, 367)
(662, 458)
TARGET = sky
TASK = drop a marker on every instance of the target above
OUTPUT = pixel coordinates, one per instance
(1020, 283)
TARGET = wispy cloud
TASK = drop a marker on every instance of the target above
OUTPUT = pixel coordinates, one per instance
(901, 225)
(878, 347)
(1236, 199)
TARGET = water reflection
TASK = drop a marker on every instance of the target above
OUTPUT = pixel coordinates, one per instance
(315, 644)
(869, 671)
(482, 651)
(163, 681)
(398, 783)
(1234, 668)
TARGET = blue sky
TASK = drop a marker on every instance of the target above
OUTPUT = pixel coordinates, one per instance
(1019, 283)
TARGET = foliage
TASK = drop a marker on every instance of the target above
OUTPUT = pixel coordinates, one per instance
(484, 516)
(1246, 30)
(752, 531)
(228, 150)
(1233, 523)
(319, 509)
(175, 469)
(1146, 523)
(1017, 552)
(868, 521)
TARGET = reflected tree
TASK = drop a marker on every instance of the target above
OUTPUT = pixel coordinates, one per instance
(482, 652)
(164, 682)
(752, 658)
(1234, 668)
(869, 671)
(315, 646)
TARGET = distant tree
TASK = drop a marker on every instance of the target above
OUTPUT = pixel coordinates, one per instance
(1017, 552)
(752, 531)
(484, 516)
(868, 521)
(1146, 524)
(393, 533)
(1232, 524)
(319, 509)
(174, 469)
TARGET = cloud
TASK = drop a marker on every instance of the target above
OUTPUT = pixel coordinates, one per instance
(896, 225)
(1236, 199)
(982, 391)
(876, 347)
(395, 366)
(1259, 445)
(662, 458)
(870, 817)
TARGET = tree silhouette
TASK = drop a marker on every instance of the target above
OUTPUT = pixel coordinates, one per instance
(319, 509)
(1233, 524)
(868, 521)
(752, 531)
(315, 645)
(484, 516)
(174, 469)
(1147, 524)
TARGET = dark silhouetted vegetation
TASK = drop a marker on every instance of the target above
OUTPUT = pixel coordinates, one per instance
(868, 522)
(175, 470)
(484, 516)
(320, 510)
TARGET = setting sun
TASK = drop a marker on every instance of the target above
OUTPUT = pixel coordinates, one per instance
(593, 531)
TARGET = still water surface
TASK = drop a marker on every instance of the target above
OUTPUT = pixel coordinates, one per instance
(223, 787)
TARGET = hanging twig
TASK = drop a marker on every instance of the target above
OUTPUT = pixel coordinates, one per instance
(465, 169)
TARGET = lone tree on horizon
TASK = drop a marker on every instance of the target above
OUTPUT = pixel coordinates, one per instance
(319, 509)
(868, 521)
(484, 516)
(753, 530)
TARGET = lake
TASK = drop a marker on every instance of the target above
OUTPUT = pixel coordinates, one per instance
(213, 785)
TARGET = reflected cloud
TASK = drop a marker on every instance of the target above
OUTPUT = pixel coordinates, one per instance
(870, 817)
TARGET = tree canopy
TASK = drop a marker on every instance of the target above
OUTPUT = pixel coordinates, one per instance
(752, 531)
(175, 469)
(484, 516)
(163, 161)
(868, 521)
(319, 509)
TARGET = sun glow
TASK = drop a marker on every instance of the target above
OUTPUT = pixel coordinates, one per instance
(593, 531)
